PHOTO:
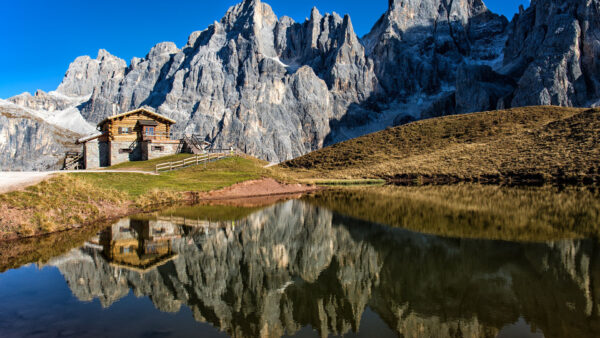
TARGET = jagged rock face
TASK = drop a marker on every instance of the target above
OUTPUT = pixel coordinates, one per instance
(553, 49)
(269, 87)
(29, 143)
(85, 74)
(418, 44)
(294, 265)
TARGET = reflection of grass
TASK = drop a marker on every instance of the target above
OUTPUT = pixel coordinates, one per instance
(215, 213)
(531, 214)
(531, 143)
(14, 254)
(215, 175)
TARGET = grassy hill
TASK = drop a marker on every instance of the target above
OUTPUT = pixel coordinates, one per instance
(521, 144)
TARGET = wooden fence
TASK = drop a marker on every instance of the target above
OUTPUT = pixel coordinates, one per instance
(194, 160)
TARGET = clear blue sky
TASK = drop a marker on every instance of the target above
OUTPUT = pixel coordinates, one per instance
(39, 38)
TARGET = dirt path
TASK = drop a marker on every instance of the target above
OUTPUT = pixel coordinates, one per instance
(256, 188)
(15, 180)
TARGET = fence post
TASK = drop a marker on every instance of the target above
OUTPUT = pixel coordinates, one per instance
(170, 166)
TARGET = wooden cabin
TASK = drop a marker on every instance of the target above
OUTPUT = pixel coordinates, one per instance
(137, 135)
(137, 125)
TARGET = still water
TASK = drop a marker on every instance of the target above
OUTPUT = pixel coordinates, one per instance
(299, 269)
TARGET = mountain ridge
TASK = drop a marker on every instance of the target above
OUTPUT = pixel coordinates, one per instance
(278, 89)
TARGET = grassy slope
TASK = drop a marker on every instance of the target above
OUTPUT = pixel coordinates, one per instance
(67, 200)
(149, 165)
(55, 205)
(214, 175)
(534, 142)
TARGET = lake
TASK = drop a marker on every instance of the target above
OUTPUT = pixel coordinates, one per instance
(307, 268)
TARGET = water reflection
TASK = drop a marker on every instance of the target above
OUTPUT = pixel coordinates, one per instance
(295, 265)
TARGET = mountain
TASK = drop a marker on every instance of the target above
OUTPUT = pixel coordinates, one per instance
(28, 141)
(278, 89)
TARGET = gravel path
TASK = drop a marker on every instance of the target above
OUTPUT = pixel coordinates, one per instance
(16, 180)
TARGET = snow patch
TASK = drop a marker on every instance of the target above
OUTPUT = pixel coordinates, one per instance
(291, 67)
(70, 118)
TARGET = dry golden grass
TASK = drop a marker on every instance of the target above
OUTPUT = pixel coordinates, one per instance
(54, 205)
(521, 144)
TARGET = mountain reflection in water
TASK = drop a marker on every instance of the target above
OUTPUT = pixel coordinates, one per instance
(295, 266)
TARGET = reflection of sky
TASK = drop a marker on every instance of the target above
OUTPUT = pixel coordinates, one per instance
(39, 302)
(519, 329)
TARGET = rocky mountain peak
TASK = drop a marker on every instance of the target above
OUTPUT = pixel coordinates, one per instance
(249, 14)
(161, 49)
(85, 73)
(408, 17)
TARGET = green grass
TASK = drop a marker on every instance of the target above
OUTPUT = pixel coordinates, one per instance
(54, 205)
(215, 175)
(69, 200)
(149, 165)
(536, 143)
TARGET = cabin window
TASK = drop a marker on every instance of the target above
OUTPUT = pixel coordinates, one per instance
(150, 131)
(125, 151)
(124, 130)
(158, 148)
(127, 249)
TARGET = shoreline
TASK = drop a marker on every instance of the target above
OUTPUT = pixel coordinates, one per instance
(260, 192)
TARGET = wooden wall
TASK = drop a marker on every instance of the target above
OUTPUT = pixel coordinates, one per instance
(130, 121)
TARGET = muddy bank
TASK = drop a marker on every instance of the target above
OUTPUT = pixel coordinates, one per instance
(255, 189)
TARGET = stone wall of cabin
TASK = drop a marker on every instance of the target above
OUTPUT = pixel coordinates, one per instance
(91, 154)
(120, 152)
(96, 154)
(154, 149)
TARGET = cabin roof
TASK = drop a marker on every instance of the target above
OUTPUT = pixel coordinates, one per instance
(89, 138)
(147, 123)
(141, 110)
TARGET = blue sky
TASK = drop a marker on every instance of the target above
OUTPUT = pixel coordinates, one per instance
(40, 38)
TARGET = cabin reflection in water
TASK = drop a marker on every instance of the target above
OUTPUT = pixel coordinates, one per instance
(145, 244)
(139, 244)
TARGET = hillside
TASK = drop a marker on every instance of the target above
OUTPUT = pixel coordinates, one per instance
(541, 143)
